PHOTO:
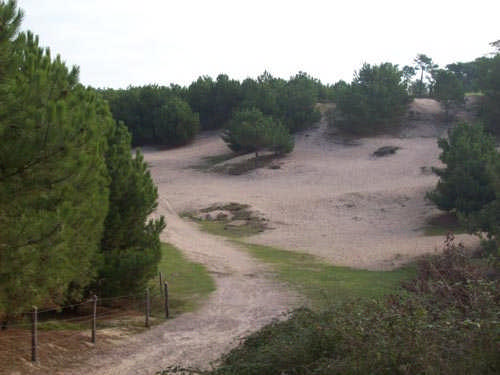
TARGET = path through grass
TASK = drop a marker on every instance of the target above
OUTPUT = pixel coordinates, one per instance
(320, 282)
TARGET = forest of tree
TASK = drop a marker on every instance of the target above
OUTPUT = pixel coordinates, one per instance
(172, 116)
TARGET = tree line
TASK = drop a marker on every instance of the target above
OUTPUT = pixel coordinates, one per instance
(172, 116)
(377, 97)
(74, 201)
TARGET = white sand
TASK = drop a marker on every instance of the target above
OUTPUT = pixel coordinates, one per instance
(328, 199)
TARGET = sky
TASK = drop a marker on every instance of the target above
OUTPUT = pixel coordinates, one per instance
(117, 43)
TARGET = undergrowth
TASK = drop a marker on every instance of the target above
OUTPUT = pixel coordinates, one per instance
(446, 322)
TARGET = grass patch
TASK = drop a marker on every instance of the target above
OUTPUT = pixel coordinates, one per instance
(442, 224)
(189, 283)
(221, 228)
(325, 284)
(321, 283)
(208, 162)
(233, 220)
(247, 165)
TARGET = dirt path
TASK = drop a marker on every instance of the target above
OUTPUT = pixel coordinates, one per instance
(245, 300)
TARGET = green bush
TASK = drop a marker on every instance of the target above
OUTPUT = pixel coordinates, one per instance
(375, 100)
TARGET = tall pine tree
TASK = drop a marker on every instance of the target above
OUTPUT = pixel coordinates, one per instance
(53, 176)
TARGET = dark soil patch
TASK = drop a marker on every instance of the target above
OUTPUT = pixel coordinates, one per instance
(386, 151)
(247, 165)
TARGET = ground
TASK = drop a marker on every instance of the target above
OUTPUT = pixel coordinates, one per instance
(330, 197)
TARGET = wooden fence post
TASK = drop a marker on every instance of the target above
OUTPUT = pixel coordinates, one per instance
(147, 308)
(166, 300)
(34, 335)
(94, 319)
(161, 282)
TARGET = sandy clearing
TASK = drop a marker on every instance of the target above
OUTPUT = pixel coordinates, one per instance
(329, 199)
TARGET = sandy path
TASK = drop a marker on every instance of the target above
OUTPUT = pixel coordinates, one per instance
(245, 300)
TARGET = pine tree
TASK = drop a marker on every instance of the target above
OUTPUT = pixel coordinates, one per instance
(53, 177)
(130, 245)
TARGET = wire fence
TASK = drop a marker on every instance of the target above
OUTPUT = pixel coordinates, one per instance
(38, 333)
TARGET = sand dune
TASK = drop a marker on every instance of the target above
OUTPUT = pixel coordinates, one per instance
(328, 198)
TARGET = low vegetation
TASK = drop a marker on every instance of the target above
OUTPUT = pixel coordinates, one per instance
(445, 322)
(321, 283)
(324, 284)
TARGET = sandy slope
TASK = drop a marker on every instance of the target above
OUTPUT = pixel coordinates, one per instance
(328, 198)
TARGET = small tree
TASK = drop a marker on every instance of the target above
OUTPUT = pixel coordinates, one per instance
(425, 64)
(130, 245)
(250, 131)
(448, 89)
(466, 184)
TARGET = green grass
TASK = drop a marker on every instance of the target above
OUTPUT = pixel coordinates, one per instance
(222, 229)
(189, 283)
(320, 282)
(323, 283)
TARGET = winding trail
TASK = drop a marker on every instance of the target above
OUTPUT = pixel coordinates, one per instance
(246, 299)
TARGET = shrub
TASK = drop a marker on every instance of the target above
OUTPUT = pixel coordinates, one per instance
(251, 131)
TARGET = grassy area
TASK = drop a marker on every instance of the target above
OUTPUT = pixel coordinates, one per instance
(189, 283)
(323, 283)
(209, 161)
(320, 282)
(220, 228)
(442, 224)
(248, 165)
